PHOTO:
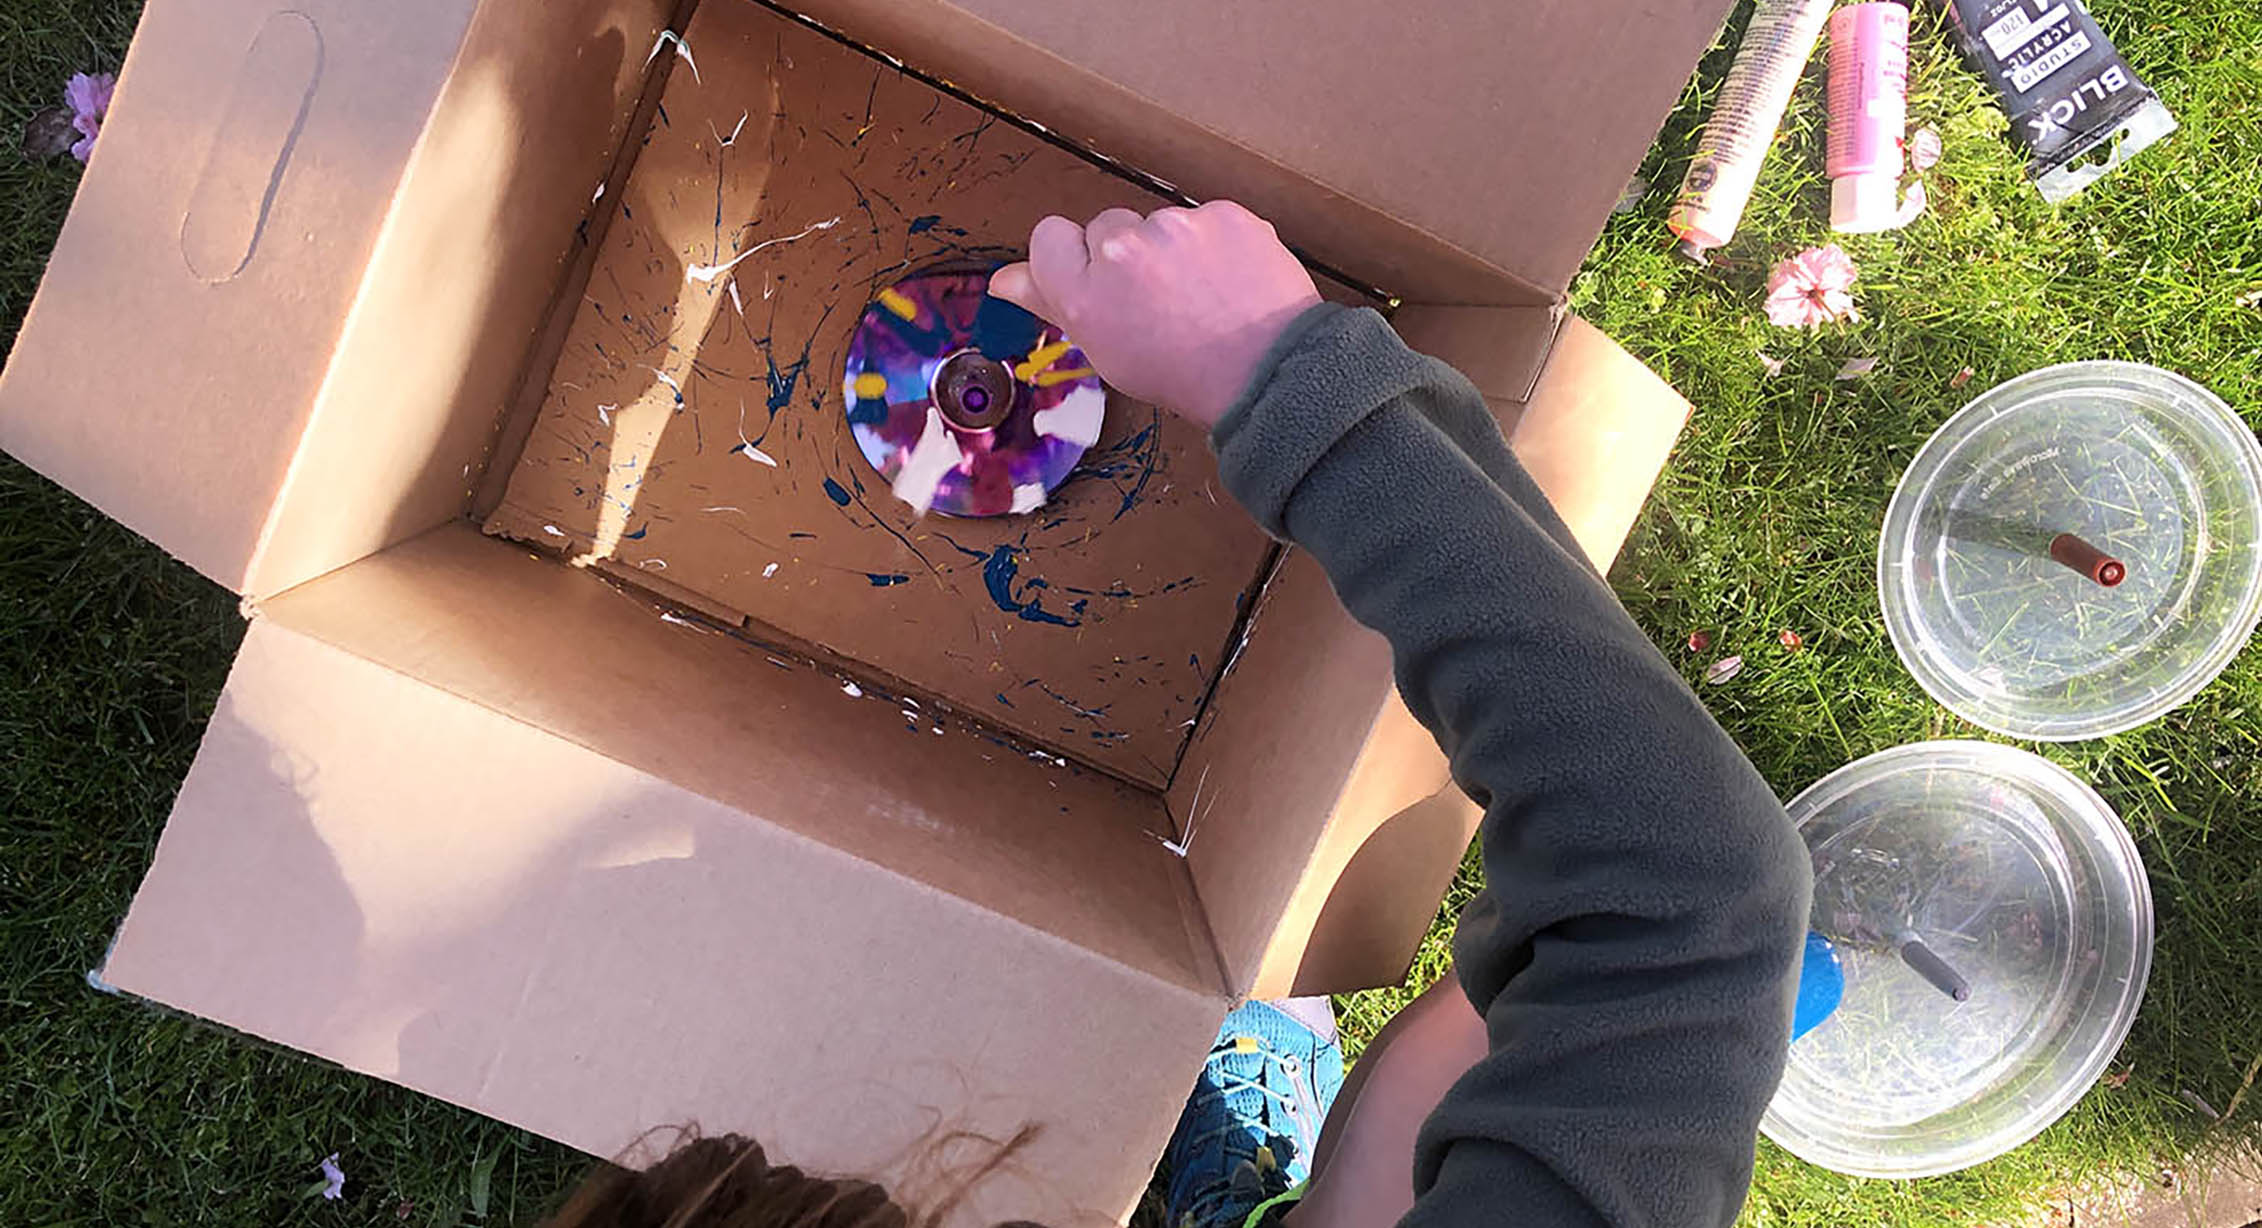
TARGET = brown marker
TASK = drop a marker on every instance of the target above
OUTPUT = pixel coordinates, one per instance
(2073, 552)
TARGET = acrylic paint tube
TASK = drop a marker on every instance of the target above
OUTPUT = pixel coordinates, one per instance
(1776, 48)
(2076, 107)
(1869, 117)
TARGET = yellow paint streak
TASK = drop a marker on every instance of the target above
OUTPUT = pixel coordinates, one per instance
(1045, 356)
(1048, 378)
(893, 300)
(872, 385)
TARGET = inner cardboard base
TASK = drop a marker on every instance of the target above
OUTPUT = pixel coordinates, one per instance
(694, 433)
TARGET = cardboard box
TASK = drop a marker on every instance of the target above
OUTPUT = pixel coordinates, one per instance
(657, 839)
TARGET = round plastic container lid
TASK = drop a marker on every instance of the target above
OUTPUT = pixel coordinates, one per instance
(2022, 882)
(2147, 466)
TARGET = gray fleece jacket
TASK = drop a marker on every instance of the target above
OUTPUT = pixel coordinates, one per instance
(1634, 952)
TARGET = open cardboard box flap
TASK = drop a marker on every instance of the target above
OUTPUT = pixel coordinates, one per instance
(1451, 152)
(490, 826)
(403, 850)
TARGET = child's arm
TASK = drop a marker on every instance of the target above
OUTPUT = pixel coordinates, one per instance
(1633, 954)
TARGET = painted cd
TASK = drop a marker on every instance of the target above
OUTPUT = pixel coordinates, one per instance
(965, 403)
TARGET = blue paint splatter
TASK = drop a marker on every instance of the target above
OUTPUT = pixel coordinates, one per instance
(782, 380)
(1003, 700)
(810, 536)
(885, 581)
(836, 492)
(921, 225)
(638, 535)
(1128, 466)
(1025, 601)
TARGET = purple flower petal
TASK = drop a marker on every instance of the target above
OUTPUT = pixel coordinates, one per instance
(89, 100)
(333, 1178)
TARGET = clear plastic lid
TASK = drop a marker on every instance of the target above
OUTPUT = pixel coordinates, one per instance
(1971, 868)
(1992, 570)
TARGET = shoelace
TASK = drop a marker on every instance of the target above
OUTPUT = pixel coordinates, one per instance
(1300, 1113)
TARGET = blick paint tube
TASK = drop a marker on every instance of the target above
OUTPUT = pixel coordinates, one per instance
(2076, 107)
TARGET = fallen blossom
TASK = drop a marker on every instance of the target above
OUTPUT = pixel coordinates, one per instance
(1699, 640)
(1790, 639)
(1723, 670)
(1812, 289)
(1925, 149)
(2119, 1078)
(89, 100)
(1856, 368)
(1960, 378)
(2252, 298)
(1773, 364)
(333, 1178)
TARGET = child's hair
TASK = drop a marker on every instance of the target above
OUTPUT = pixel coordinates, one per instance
(728, 1182)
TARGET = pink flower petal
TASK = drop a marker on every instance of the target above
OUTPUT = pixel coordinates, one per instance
(1723, 670)
(1812, 289)
(1856, 368)
(1925, 149)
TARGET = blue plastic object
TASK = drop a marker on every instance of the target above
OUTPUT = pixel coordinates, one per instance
(1822, 983)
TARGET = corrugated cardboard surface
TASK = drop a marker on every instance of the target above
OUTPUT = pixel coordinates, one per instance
(484, 224)
(890, 779)
(1442, 136)
(1094, 625)
(371, 869)
(220, 236)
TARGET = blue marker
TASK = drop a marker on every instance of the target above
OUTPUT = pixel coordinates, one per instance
(1822, 984)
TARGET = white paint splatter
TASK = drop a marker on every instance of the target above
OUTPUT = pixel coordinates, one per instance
(769, 571)
(682, 51)
(667, 379)
(670, 616)
(600, 194)
(707, 273)
(605, 414)
(727, 141)
(736, 302)
(654, 564)
(746, 446)
(852, 690)
(724, 507)
(553, 530)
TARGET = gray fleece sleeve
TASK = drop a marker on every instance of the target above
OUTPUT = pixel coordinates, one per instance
(1634, 952)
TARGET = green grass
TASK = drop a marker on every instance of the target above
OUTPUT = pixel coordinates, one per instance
(111, 654)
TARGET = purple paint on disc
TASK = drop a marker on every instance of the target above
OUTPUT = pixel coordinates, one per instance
(966, 404)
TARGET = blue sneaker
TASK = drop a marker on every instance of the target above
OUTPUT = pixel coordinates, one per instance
(1248, 1130)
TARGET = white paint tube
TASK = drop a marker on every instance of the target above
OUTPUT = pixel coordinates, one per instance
(1776, 47)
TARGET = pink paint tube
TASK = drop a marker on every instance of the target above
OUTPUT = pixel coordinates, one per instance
(1869, 116)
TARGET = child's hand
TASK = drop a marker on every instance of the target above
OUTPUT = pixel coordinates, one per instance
(1176, 308)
